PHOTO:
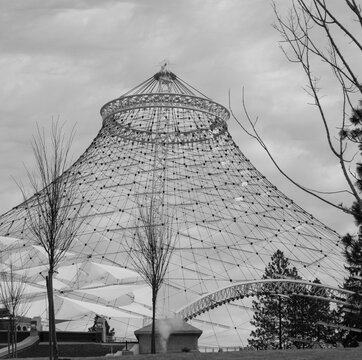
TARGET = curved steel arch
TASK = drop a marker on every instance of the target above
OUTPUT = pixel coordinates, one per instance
(254, 287)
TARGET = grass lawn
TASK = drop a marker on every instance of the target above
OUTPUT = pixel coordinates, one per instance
(307, 354)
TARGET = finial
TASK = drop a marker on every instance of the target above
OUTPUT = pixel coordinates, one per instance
(164, 65)
(165, 76)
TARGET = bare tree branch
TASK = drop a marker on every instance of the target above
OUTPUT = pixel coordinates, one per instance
(152, 248)
(253, 133)
(53, 210)
(12, 296)
(300, 31)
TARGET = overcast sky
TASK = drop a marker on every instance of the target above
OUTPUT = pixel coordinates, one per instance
(67, 58)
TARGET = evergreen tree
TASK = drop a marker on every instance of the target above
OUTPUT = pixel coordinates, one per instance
(271, 318)
(310, 314)
(285, 320)
(299, 326)
(352, 316)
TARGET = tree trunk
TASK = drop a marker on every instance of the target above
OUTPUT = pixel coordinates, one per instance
(302, 327)
(280, 322)
(153, 333)
(295, 325)
(12, 337)
(50, 331)
(16, 338)
(53, 344)
(9, 339)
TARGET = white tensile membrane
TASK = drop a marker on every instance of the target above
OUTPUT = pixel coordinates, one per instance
(166, 141)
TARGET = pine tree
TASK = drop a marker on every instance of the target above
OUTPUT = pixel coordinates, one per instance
(352, 316)
(310, 313)
(285, 320)
(299, 326)
(271, 318)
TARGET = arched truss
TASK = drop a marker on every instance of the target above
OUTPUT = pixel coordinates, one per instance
(255, 287)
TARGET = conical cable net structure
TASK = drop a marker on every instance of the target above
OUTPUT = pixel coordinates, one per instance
(166, 141)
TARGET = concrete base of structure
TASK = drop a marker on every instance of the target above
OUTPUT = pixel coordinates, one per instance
(172, 336)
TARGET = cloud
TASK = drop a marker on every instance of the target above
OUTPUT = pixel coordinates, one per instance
(68, 58)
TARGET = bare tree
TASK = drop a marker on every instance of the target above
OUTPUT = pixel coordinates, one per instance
(313, 34)
(12, 295)
(152, 248)
(53, 210)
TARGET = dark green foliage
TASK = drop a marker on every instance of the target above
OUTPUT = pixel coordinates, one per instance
(357, 214)
(356, 117)
(285, 320)
(271, 318)
(352, 315)
(94, 327)
(313, 312)
(354, 131)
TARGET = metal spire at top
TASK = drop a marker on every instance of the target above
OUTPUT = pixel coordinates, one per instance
(166, 90)
(164, 66)
(164, 78)
(165, 81)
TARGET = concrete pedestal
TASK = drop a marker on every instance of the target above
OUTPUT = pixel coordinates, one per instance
(172, 335)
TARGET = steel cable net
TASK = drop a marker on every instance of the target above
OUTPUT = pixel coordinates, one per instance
(166, 140)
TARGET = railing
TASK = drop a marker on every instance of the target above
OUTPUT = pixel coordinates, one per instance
(163, 100)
